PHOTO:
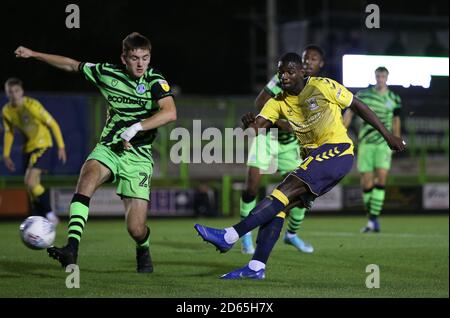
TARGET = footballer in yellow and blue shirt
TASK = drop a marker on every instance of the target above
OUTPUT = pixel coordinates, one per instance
(315, 117)
(28, 116)
(313, 109)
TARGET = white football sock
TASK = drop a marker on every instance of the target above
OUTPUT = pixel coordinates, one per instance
(231, 236)
(256, 265)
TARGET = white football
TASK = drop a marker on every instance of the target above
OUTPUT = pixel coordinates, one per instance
(37, 232)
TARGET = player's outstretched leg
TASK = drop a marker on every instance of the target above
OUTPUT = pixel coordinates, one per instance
(267, 237)
(222, 239)
(79, 211)
(295, 219)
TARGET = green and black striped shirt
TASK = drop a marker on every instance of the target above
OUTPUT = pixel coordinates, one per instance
(129, 101)
(385, 106)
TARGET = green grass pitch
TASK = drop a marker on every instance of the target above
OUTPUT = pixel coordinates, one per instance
(412, 253)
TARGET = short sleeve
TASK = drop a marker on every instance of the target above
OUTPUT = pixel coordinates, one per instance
(160, 89)
(91, 72)
(337, 93)
(271, 111)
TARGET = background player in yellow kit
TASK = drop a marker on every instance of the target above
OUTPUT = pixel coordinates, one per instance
(30, 118)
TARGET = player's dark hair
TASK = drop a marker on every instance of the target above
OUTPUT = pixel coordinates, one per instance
(13, 81)
(291, 58)
(381, 69)
(316, 48)
(135, 41)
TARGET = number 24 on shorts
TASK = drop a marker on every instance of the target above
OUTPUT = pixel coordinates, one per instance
(143, 182)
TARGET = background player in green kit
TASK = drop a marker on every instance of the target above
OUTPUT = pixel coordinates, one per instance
(140, 100)
(287, 152)
(374, 155)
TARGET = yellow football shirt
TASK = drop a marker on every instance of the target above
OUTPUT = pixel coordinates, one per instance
(315, 114)
(33, 120)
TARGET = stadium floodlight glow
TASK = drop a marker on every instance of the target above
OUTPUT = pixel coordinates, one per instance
(358, 70)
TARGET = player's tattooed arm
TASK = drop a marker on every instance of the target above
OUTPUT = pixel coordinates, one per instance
(61, 62)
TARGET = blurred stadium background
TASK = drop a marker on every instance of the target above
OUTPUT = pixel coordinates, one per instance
(218, 55)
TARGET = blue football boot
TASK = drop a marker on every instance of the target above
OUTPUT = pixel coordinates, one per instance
(245, 272)
(214, 236)
(298, 243)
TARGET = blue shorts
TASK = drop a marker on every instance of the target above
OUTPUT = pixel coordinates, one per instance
(325, 166)
(39, 158)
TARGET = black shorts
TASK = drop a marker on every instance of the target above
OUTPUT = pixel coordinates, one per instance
(38, 158)
(325, 167)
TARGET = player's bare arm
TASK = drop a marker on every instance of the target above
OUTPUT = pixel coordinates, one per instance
(363, 111)
(249, 120)
(62, 156)
(348, 116)
(396, 126)
(7, 144)
(61, 62)
(56, 131)
(262, 99)
(167, 114)
(9, 164)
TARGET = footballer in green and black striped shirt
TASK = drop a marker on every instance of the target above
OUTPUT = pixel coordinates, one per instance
(140, 100)
(374, 155)
(130, 101)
